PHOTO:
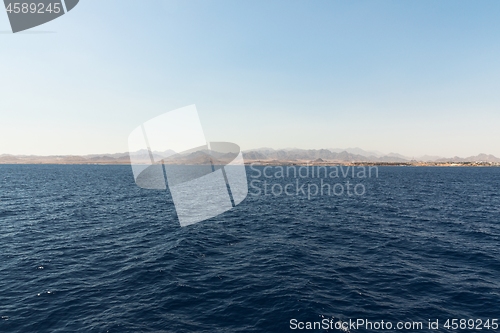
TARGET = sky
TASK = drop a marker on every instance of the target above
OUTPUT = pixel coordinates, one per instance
(412, 77)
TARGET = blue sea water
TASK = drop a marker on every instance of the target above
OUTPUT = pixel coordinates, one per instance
(83, 249)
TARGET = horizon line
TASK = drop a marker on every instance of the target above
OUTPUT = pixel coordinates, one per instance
(374, 153)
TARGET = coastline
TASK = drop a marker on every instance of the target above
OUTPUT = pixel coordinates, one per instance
(277, 163)
(343, 163)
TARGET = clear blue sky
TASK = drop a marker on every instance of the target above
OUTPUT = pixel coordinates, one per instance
(414, 77)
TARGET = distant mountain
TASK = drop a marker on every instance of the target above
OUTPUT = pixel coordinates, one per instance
(478, 158)
(323, 154)
(142, 156)
(399, 156)
(267, 155)
(358, 151)
(428, 158)
(353, 155)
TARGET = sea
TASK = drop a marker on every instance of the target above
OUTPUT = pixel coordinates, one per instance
(84, 249)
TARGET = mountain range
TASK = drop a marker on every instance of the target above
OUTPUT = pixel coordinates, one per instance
(267, 155)
(353, 155)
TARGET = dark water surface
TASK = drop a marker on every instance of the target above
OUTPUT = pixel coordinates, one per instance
(83, 249)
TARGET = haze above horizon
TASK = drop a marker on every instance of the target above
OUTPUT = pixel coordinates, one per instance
(415, 78)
